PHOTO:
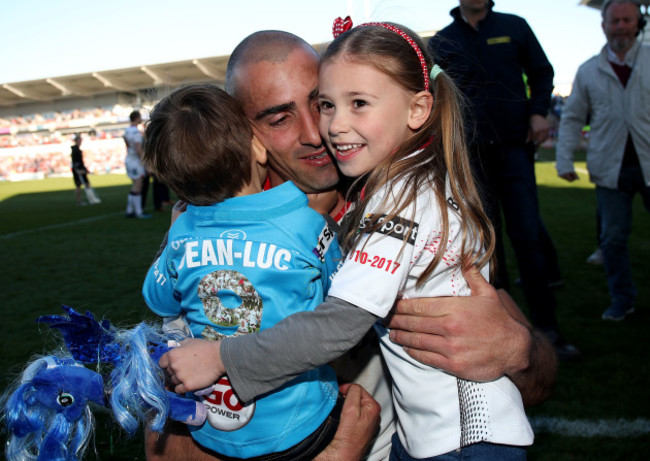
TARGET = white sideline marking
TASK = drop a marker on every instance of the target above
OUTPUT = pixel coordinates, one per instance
(59, 226)
(618, 428)
(582, 171)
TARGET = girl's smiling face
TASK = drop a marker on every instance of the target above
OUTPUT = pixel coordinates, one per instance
(364, 114)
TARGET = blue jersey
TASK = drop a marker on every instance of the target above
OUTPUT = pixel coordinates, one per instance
(237, 267)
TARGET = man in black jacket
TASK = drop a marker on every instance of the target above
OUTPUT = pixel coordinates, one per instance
(499, 65)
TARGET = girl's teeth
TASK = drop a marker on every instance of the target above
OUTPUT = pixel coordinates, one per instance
(348, 147)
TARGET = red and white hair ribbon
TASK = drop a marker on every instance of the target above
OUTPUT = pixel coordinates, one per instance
(341, 25)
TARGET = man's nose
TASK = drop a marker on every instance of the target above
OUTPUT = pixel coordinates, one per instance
(309, 134)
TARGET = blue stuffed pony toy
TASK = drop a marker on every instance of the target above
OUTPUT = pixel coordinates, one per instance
(48, 410)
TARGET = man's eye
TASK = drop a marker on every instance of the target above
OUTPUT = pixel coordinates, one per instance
(278, 122)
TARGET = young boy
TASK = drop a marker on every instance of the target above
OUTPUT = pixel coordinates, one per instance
(237, 261)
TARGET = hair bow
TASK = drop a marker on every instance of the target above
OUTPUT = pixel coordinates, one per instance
(341, 25)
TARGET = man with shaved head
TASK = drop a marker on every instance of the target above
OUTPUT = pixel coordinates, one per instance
(274, 75)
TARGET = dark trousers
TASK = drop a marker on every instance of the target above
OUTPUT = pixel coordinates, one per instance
(506, 179)
(160, 192)
(615, 211)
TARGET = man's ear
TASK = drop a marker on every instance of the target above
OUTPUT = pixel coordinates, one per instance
(259, 151)
(419, 109)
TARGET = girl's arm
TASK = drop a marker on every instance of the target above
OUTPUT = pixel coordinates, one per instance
(263, 361)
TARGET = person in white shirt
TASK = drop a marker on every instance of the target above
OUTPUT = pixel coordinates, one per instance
(134, 168)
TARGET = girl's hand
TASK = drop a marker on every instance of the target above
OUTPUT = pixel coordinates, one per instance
(195, 365)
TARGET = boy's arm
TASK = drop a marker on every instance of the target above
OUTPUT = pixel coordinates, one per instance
(179, 208)
(261, 362)
(158, 288)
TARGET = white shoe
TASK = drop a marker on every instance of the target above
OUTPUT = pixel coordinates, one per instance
(92, 198)
(596, 258)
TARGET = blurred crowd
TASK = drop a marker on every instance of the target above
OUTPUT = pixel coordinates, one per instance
(38, 145)
(46, 128)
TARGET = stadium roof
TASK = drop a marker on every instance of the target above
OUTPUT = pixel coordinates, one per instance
(599, 3)
(136, 79)
(132, 80)
(129, 80)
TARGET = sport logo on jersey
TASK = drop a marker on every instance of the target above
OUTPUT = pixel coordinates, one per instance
(325, 239)
(397, 227)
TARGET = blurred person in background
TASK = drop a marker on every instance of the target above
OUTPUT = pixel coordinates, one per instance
(80, 174)
(487, 53)
(612, 88)
(134, 168)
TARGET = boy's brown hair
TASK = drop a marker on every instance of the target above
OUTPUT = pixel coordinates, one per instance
(198, 142)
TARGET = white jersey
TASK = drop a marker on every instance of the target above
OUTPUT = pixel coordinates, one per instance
(133, 136)
(132, 163)
(436, 412)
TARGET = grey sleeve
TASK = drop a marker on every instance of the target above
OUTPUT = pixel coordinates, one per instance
(261, 362)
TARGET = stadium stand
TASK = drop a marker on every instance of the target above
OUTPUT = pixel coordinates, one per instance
(39, 118)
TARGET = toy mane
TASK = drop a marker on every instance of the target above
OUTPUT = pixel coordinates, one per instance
(48, 410)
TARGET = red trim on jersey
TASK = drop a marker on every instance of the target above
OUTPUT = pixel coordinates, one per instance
(344, 209)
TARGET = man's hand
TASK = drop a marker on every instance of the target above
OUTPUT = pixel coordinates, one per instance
(472, 337)
(480, 337)
(572, 176)
(537, 129)
(357, 428)
(358, 425)
(195, 365)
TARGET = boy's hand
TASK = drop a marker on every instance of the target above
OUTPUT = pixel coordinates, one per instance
(195, 365)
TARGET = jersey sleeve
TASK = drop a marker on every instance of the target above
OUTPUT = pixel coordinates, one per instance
(374, 273)
(317, 239)
(263, 361)
(158, 288)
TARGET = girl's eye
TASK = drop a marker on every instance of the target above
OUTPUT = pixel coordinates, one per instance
(324, 105)
(359, 103)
